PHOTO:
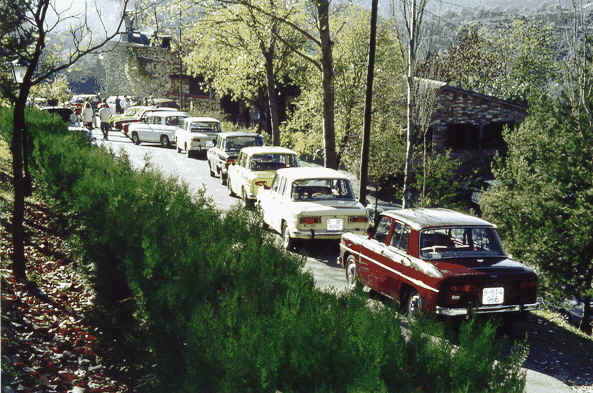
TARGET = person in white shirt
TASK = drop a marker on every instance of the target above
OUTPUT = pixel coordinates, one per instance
(104, 116)
(87, 115)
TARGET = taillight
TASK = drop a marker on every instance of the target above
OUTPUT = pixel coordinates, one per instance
(309, 220)
(528, 284)
(261, 183)
(358, 219)
(230, 162)
(195, 139)
(467, 288)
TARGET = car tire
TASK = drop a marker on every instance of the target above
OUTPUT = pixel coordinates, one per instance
(352, 282)
(210, 169)
(135, 138)
(413, 305)
(165, 141)
(288, 242)
(178, 149)
(231, 193)
(187, 151)
(246, 202)
(223, 179)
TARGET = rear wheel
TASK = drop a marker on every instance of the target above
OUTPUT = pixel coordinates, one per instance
(210, 168)
(135, 138)
(223, 179)
(352, 282)
(248, 204)
(165, 141)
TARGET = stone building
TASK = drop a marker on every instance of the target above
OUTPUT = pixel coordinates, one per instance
(470, 124)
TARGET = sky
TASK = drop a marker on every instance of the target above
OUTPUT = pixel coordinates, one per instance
(72, 12)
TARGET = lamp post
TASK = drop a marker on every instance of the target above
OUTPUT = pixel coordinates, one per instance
(22, 184)
(19, 69)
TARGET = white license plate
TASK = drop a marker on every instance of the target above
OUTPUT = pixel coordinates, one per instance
(335, 224)
(493, 295)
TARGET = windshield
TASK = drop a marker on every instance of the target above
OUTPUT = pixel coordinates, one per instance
(272, 161)
(460, 242)
(204, 126)
(174, 120)
(237, 142)
(321, 189)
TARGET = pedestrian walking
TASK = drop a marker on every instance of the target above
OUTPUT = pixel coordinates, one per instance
(87, 115)
(104, 116)
(123, 103)
(117, 105)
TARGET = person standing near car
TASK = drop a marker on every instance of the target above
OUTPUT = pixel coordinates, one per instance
(104, 116)
(87, 115)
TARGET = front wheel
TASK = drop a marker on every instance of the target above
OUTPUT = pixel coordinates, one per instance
(413, 304)
(165, 141)
(135, 138)
(287, 241)
(246, 202)
(210, 168)
(223, 179)
(351, 275)
(231, 193)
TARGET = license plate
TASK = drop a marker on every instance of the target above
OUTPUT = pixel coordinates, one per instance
(493, 296)
(335, 224)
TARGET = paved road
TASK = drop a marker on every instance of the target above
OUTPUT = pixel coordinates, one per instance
(321, 259)
(193, 171)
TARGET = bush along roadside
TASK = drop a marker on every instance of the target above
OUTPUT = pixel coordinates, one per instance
(203, 301)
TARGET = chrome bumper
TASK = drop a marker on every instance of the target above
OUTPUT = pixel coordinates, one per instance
(452, 312)
(313, 234)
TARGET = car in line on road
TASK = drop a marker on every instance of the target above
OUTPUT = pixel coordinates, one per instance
(311, 203)
(158, 127)
(198, 134)
(256, 167)
(131, 115)
(226, 150)
(439, 261)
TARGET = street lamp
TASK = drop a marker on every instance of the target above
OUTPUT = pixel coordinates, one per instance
(19, 69)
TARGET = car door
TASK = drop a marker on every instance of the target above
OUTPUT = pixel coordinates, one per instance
(143, 128)
(370, 270)
(396, 260)
(151, 127)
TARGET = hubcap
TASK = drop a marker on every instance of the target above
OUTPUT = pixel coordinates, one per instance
(351, 272)
(414, 305)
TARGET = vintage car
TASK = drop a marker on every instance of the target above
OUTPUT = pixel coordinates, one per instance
(226, 150)
(439, 261)
(198, 134)
(256, 167)
(311, 203)
(158, 127)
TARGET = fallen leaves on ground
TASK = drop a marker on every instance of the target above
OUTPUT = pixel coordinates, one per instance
(47, 346)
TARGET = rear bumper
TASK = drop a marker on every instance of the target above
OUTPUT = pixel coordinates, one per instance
(452, 312)
(312, 234)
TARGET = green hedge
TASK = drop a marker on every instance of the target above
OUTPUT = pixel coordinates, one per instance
(220, 309)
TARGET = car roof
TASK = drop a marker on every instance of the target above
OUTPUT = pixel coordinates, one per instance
(266, 149)
(229, 134)
(420, 218)
(310, 173)
(159, 112)
(197, 118)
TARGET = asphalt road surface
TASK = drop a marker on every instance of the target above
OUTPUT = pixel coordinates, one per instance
(321, 256)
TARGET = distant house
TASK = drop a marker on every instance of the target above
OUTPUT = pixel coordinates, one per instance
(470, 123)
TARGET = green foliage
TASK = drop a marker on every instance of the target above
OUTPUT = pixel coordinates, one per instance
(544, 205)
(511, 62)
(443, 187)
(56, 90)
(201, 300)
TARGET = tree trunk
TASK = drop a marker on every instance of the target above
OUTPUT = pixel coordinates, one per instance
(410, 109)
(329, 135)
(18, 212)
(366, 135)
(272, 98)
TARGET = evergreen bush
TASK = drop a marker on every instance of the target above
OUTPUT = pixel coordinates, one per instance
(221, 309)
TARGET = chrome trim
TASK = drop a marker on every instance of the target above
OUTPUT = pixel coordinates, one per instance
(451, 312)
(413, 280)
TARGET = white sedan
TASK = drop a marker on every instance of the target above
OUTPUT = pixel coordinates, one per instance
(158, 127)
(198, 134)
(311, 203)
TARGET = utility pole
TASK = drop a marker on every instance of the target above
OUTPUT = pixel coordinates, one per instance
(366, 136)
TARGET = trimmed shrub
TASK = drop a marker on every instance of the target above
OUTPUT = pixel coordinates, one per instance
(199, 300)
